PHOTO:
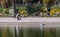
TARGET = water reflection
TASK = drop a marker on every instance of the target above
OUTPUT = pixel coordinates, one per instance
(49, 32)
(6, 32)
(29, 32)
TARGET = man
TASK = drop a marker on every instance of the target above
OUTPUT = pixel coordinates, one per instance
(18, 15)
(48, 8)
(57, 2)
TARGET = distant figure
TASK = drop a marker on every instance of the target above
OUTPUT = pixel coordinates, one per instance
(57, 3)
(38, 2)
(48, 8)
(48, 11)
(18, 15)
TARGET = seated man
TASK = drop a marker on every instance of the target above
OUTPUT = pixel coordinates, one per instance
(18, 15)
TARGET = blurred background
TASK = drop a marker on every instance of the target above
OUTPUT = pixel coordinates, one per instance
(39, 8)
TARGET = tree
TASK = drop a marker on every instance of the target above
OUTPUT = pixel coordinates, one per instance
(5, 3)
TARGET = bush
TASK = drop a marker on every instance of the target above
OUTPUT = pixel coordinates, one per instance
(39, 8)
(34, 8)
(23, 11)
(30, 9)
(55, 11)
(1, 9)
(5, 11)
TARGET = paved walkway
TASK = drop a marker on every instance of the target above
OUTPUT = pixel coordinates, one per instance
(30, 21)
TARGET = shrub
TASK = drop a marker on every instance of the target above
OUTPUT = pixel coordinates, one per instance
(23, 11)
(55, 11)
(34, 8)
(5, 11)
(1, 9)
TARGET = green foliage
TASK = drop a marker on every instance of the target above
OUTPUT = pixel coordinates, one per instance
(5, 11)
(1, 9)
(30, 9)
(39, 8)
(56, 7)
(23, 11)
(34, 8)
